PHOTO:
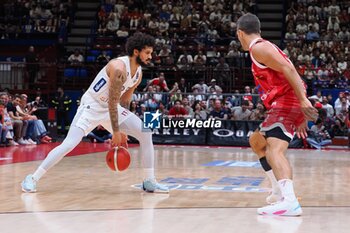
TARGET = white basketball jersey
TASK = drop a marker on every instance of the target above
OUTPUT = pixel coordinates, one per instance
(99, 88)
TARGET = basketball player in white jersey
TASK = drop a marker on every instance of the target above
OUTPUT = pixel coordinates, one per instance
(106, 103)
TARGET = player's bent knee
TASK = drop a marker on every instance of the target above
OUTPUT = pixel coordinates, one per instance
(258, 143)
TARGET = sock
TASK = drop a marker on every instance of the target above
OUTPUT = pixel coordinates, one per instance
(38, 173)
(133, 127)
(269, 173)
(273, 181)
(287, 189)
(148, 173)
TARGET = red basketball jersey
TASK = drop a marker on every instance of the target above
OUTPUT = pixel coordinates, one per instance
(270, 83)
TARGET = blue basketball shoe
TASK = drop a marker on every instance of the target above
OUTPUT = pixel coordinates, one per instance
(152, 186)
(29, 184)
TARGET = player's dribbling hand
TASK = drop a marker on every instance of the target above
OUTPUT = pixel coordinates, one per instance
(302, 130)
(119, 139)
(309, 111)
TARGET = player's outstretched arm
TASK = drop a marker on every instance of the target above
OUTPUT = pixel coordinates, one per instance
(265, 53)
(117, 76)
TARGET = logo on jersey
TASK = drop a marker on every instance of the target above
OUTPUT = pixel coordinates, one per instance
(151, 120)
(99, 84)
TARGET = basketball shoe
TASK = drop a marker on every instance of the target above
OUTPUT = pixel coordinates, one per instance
(283, 208)
(29, 184)
(151, 185)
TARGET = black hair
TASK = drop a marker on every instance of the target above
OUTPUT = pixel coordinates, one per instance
(249, 23)
(177, 101)
(245, 103)
(139, 41)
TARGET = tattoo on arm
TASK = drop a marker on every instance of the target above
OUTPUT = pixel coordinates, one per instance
(115, 89)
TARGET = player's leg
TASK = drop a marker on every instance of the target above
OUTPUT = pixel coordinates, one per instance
(258, 144)
(80, 126)
(132, 126)
(277, 145)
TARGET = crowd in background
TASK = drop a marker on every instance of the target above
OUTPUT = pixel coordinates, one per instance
(196, 35)
(25, 17)
(317, 40)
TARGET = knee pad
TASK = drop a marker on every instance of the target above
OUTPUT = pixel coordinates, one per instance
(258, 143)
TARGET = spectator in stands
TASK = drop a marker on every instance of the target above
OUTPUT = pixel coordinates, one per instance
(62, 103)
(290, 35)
(344, 34)
(200, 58)
(153, 24)
(318, 135)
(19, 123)
(201, 87)
(182, 85)
(141, 111)
(343, 107)
(100, 135)
(342, 64)
(3, 128)
(241, 113)
(323, 73)
(301, 30)
(247, 93)
(7, 120)
(183, 64)
(133, 106)
(185, 54)
(198, 112)
(160, 81)
(135, 19)
(186, 105)
(103, 58)
(32, 65)
(112, 25)
(312, 34)
(338, 101)
(176, 96)
(102, 14)
(222, 72)
(164, 52)
(333, 24)
(327, 107)
(163, 26)
(316, 60)
(259, 113)
(36, 129)
(304, 56)
(122, 32)
(76, 59)
(218, 111)
(177, 110)
(309, 73)
(215, 87)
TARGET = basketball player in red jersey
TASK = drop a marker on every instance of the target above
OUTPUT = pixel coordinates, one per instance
(283, 94)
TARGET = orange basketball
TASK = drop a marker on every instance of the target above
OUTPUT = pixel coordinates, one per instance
(118, 159)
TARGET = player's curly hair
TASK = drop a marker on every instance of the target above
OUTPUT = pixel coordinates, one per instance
(139, 41)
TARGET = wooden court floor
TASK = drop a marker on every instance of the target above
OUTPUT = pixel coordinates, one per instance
(213, 190)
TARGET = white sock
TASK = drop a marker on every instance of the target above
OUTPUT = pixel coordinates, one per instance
(287, 189)
(38, 173)
(273, 181)
(133, 127)
(148, 173)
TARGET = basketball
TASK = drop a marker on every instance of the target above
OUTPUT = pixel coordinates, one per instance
(118, 159)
